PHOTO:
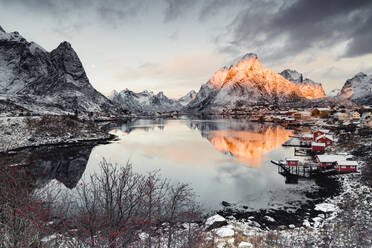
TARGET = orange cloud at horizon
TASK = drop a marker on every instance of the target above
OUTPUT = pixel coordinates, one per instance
(249, 147)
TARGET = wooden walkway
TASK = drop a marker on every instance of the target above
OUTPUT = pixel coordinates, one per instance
(304, 170)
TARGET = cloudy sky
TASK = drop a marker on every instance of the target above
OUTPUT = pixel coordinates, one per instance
(176, 45)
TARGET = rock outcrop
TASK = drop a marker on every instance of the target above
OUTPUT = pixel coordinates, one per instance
(358, 89)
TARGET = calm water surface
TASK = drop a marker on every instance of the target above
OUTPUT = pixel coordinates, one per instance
(223, 160)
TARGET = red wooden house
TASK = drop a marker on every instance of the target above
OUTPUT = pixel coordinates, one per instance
(326, 161)
(347, 166)
(326, 139)
(320, 132)
(318, 147)
(307, 137)
(292, 161)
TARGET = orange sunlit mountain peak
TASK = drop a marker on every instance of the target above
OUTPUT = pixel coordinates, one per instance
(249, 71)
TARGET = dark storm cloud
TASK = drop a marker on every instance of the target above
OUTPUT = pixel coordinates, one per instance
(289, 28)
(361, 42)
(176, 8)
(110, 11)
(213, 7)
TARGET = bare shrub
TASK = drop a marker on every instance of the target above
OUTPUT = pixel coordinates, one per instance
(25, 213)
(116, 204)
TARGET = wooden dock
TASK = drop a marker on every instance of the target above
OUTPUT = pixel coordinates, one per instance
(303, 151)
(304, 170)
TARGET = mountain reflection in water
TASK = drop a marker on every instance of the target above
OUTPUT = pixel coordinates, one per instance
(222, 160)
(47, 163)
(247, 141)
(249, 147)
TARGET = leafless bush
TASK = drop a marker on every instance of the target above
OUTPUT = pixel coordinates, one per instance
(25, 213)
(115, 205)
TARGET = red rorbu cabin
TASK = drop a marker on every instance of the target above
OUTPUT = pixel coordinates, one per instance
(318, 147)
(292, 161)
(326, 139)
(307, 137)
(347, 166)
(320, 132)
(326, 161)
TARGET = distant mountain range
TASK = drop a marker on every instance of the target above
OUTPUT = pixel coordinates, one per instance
(46, 82)
(147, 101)
(56, 82)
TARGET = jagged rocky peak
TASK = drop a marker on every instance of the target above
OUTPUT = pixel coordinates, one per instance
(191, 94)
(249, 56)
(308, 87)
(66, 57)
(160, 95)
(358, 89)
(297, 77)
(334, 92)
(245, 65)
(42, 81)
(2, 30)
(186, 99)
(292, 75)
(111, 94)
(249, 61)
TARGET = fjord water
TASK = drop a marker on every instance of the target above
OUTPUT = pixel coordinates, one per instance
(222, 160)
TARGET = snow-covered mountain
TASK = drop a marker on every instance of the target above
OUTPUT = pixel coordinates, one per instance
(334, 92)
(43, 81)
(186, 99)
(147, 101)
(308, 87)
(247, 83)
(358, 89)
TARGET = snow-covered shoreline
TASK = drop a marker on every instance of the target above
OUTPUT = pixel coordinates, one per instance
(341, 219)
(16, 132)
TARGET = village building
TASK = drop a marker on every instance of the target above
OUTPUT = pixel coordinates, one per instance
(321, 112)
(346, 166)
(354, 115)
(341, 116)
(325, 138)
(326, 161)
(318, 147)
(292, 161)
(289, 120)
(306, 139)
(320, 132)
(290, 112)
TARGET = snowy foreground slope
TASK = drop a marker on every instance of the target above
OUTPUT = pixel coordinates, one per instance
(147, 101)
(248, 83)
(46, 82)
(358, 89)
